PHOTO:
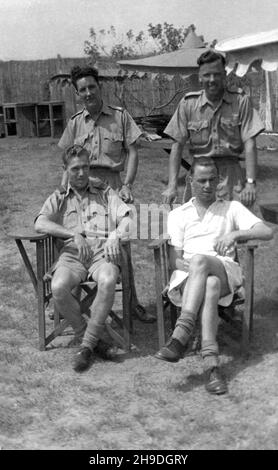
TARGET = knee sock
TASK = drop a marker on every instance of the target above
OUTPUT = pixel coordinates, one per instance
(93, 333)
(184, 327)
(209, 354)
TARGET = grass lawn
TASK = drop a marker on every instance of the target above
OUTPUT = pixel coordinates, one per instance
(139, 403)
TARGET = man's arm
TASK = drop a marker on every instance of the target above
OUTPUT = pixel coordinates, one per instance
(248, 194)
(259, 231)
(170, 193)
(131, 170)
(44, 225)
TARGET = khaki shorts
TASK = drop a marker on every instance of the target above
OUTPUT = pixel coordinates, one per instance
(70, 260)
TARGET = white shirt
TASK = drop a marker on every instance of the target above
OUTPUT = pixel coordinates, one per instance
(195, 236)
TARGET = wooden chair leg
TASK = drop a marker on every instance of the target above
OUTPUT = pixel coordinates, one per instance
(159, 299)
(247, 321)
(126, 295)
(40, 294)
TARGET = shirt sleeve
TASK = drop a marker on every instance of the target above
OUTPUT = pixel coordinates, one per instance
(51, 207)
(67, 138)
(243, 218)
(175, 229)
(130, 129)
(177, 126)
(117, 209)
(251, 124)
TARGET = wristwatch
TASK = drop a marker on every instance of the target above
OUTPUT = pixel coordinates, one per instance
(250, 181)
(128, 185)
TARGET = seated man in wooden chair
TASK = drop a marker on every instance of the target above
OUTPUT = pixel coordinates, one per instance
(203, 233)
(89, 219)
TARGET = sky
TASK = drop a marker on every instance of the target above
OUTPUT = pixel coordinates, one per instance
(41, 29)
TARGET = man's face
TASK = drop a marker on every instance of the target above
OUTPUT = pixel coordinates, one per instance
(78, 171)
(89, 93)
(212, 78)
(204, 183)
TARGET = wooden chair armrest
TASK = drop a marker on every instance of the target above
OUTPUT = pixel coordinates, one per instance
(30, 235)
(249, 243)
(159, 242)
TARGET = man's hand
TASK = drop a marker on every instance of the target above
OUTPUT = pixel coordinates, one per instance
(248, 194)
(224, 243)
(84, 251)
(112, 250)
(125, 194)
(169, 196)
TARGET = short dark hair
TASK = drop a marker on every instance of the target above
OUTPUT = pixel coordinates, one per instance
(202, 161)
(211, 56)
(81, 72)
(72, 152)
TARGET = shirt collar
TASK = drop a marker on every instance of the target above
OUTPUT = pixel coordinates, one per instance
(104, 110)
(204, 100)
(190, 203)
(90, 188)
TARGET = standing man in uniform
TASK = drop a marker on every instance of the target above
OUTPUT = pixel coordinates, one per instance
(218, 123)
(109, 134)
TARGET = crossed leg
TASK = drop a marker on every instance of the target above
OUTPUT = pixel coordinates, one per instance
(206, 283)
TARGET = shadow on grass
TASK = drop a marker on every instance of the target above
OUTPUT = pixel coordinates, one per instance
(264, 342)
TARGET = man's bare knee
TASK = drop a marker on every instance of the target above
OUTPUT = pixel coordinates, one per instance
(107, 280)
(198, 263)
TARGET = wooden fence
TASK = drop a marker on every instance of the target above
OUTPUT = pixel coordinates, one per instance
(29, 81)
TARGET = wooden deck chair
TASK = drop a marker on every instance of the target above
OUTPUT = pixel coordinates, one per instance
(46, 254)
(163, 269)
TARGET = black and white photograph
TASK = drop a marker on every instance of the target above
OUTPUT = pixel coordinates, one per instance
(139, 230)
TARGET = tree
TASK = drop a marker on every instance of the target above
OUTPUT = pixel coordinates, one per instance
(167, 37)
(158, 39)
(110, 44)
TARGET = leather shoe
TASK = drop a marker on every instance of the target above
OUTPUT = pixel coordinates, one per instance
(83, 359)
(215, 382)
(140, 313)
(173, 351)
(103, 350)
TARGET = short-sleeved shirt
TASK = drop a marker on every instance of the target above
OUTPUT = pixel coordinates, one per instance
(95, 215)
(197, 236)
(107, 138)
(215, 132)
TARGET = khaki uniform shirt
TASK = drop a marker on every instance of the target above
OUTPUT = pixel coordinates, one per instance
(214, 132)
(106, 138)
(96, 214)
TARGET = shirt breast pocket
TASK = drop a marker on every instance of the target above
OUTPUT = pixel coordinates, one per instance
(198, 132)
(82, 140)
(112, 144)
(98, 221)
(230, 128)
(70, 219)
